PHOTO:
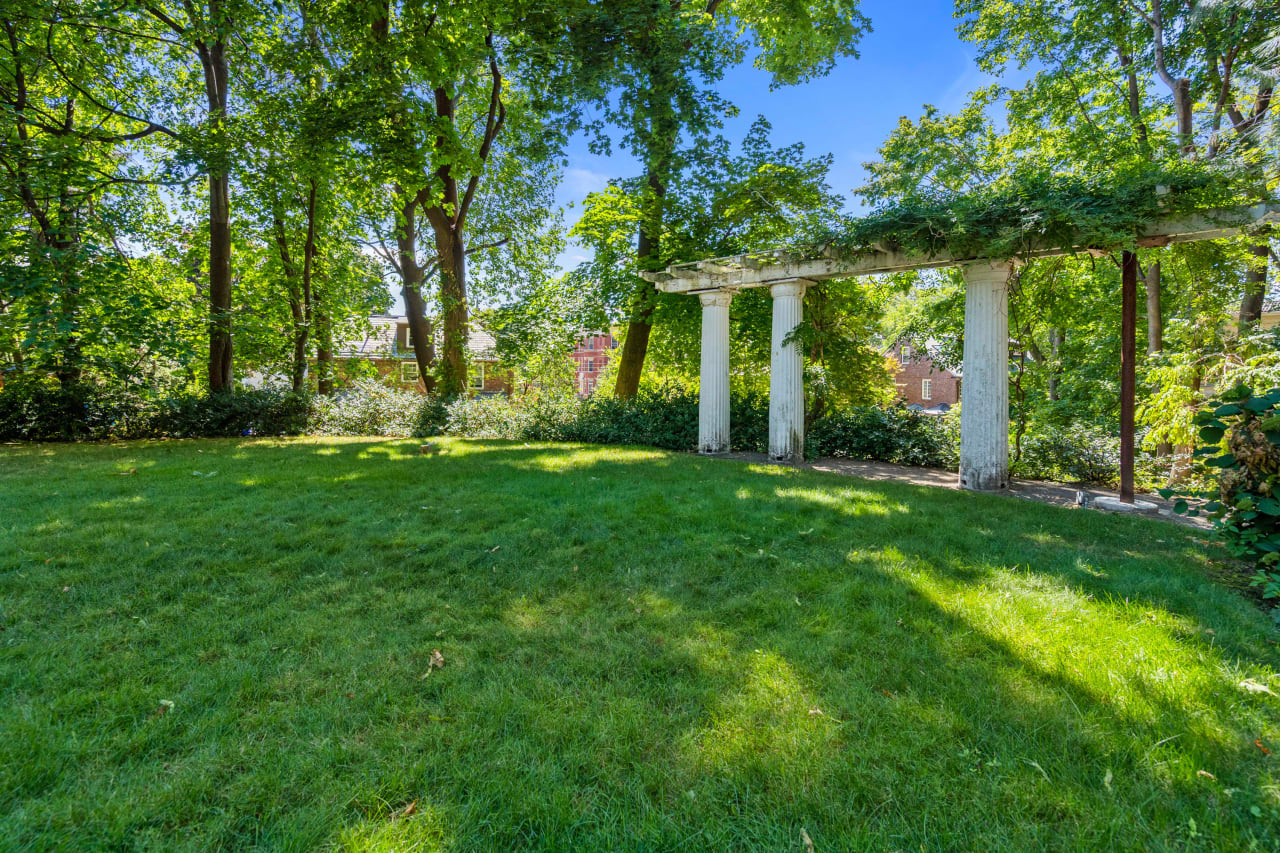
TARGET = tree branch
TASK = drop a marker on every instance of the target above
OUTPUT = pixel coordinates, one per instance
(493, 126)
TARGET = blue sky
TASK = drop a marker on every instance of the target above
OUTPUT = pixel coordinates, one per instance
(912, 57)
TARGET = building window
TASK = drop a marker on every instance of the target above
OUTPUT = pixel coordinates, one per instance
(613, 343)
(591, 343)
(926, 389)
(905, 353)
(591, 365)
(407, 337)
(408, 371)
(475, 376)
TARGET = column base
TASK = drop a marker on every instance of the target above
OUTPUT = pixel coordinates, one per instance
(984, 479)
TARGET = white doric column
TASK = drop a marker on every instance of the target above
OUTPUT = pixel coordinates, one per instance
(984, 406)
(786, 374)
(713, 392)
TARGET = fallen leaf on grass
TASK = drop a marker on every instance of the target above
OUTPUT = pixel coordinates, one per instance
(1106, 780)
(407, 811)
(1258, 744)
(808, 842)
(436, 662)
(1254, 687)
(494, 548)
(886, 692)
(815, 711)
(1037, 766)
(806, 532)
(127, 473)
(166, 705)
(1205, 774)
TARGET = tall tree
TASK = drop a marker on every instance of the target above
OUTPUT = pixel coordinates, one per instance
(441, 90)
(666, 104)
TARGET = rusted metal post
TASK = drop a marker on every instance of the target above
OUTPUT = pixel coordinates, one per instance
(1128, 377)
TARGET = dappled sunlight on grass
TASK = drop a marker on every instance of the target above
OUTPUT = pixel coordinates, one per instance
(845, 501)
(640, 649)
(389, 831)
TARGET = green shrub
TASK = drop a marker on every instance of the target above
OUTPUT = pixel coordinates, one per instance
(665, 417)
(261, 411)
(896, 434)
(1240, 452)
(42, 409)
(371, 408)
(485, 417)
(1076, 455)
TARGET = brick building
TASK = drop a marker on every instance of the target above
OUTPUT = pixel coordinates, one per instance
(390, 349)
(920, 382)
(590, 358)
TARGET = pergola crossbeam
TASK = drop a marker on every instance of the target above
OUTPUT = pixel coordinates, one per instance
(984, 416)
(760, 269)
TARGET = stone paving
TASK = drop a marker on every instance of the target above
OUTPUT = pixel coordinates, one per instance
(1034, 490)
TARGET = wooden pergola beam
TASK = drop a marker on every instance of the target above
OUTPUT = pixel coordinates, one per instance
(762, 268)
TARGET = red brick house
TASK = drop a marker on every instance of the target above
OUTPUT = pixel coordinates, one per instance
(389, 348)
(590, 357)
(920, 382)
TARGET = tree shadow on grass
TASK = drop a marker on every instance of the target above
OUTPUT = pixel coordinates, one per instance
(739, 653)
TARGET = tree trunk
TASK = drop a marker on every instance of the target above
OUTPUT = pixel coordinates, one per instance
(1255, 288)
(1155, 328)
(213, 58)
(1183, 105)
(1056, 339)
(324, 350)
(308, 266)
(453, 303)
(648, 256)
(298, 336)
(1155, 321)
(411, 276)
(220, 341)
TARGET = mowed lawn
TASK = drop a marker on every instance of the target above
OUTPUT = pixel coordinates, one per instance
(228, 644)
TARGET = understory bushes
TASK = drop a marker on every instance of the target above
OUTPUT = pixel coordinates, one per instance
(664, 417)
(86, 411)
(367, 408)
(894, 434)
(249, 412)
(1076, 455)
(44, 410)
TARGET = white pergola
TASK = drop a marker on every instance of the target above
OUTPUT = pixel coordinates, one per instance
(984, 414)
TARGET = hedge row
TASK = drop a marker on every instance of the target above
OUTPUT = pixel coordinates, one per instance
(666, 418)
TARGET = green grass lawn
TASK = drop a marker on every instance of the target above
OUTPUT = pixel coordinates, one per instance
(642, 651)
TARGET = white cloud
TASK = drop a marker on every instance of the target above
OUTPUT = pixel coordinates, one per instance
(578, 182)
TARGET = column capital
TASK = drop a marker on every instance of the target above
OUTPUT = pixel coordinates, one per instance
(719, 298)
(789, 287)
(988, 269)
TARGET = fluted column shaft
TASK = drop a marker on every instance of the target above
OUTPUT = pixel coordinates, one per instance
(984, 407)
(786, 374)
(713, 389)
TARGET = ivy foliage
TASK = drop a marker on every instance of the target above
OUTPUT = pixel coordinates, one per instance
(1036, 209)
